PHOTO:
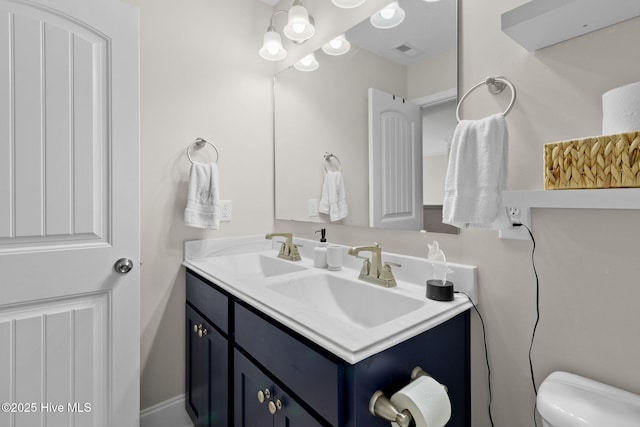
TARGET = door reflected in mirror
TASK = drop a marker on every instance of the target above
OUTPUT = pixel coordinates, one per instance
(328, 111)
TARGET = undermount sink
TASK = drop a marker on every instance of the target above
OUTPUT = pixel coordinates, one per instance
(253, 266)
(343, 299)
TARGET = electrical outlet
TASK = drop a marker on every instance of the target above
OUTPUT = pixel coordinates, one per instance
(312, 207)
(514, 214)
(225, 210)
(517, 215)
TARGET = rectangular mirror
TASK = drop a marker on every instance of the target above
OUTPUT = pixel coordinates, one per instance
(353, 107)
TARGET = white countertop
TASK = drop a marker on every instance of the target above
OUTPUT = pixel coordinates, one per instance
(349, 341)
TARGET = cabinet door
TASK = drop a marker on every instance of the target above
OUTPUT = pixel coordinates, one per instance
(206, 373)
(251, 412)
(291, 414)
(194, 402)
(248, 382)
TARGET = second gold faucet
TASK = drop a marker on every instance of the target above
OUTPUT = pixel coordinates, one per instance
(373, 270)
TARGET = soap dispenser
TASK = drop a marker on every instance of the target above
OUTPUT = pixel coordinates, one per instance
(320, 251)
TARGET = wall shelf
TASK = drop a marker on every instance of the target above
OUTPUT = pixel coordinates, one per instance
(609, 198)
(563, 19)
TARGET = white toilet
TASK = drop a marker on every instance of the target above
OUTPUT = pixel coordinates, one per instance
(568, 400)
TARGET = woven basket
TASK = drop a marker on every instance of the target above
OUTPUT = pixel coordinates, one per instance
(609, 161)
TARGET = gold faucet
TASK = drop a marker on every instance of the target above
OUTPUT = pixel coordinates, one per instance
(288, 250)
(373, 270)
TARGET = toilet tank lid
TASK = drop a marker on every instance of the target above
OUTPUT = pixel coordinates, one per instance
(565, 398)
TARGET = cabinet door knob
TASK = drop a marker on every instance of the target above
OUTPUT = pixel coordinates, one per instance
(196, 328)
(275, 406)
(263, 395)
(202, 332)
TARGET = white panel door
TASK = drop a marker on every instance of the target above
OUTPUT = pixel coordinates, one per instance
(69, 323)
(395, 162)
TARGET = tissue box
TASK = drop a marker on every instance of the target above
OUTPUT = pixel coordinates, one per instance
(609, 161)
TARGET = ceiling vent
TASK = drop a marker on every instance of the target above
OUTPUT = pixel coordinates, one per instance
(406, 49)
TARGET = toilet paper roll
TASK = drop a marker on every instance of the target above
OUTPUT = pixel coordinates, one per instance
(621, 109)
(427, 400)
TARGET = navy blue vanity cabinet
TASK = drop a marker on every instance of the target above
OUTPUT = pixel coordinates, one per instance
(442, 352)
(207, 349)
(315, 387)
(260, 402)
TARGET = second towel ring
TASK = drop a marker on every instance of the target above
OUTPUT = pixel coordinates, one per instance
(327, 159)
(495, 85)
(199, 142)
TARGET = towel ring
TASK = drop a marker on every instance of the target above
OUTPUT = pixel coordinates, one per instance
(199, 142)
(495, 85)
(327, 159)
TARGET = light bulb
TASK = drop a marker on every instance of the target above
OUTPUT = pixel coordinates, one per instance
(299, 28)
(338, 46)
(272, 49)
(388, 17)
(308, 63)
(388, 12)
(347, 4)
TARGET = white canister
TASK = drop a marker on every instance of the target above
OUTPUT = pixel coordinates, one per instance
(334, 257)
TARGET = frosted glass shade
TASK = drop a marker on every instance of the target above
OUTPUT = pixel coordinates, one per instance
(272, 49)
(388, 17)
(299, 28)
(308, 63)
(347, 4)
(338, 46)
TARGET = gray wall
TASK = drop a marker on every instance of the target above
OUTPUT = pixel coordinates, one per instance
(201, 76)
(580, 253)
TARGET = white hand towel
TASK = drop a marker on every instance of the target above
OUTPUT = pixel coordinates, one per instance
(477, 174)
(203, 200)
(333, 200)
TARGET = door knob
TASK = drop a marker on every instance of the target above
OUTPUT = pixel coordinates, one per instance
(123, 265)
(275, 406)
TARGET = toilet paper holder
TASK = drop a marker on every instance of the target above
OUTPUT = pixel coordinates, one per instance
(381, 406)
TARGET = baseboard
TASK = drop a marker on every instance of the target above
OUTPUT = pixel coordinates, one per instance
(170, 413)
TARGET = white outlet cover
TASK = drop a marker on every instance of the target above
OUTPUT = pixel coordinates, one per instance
(226, 210)
(312, 205)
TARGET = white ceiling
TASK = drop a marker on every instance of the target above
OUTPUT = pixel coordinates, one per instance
(429, 29)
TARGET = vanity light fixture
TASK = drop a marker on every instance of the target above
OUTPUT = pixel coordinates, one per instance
(338, 46)
(299, 29)
(308, 63)
(272, 49)
(347, 4)
(388, 17)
